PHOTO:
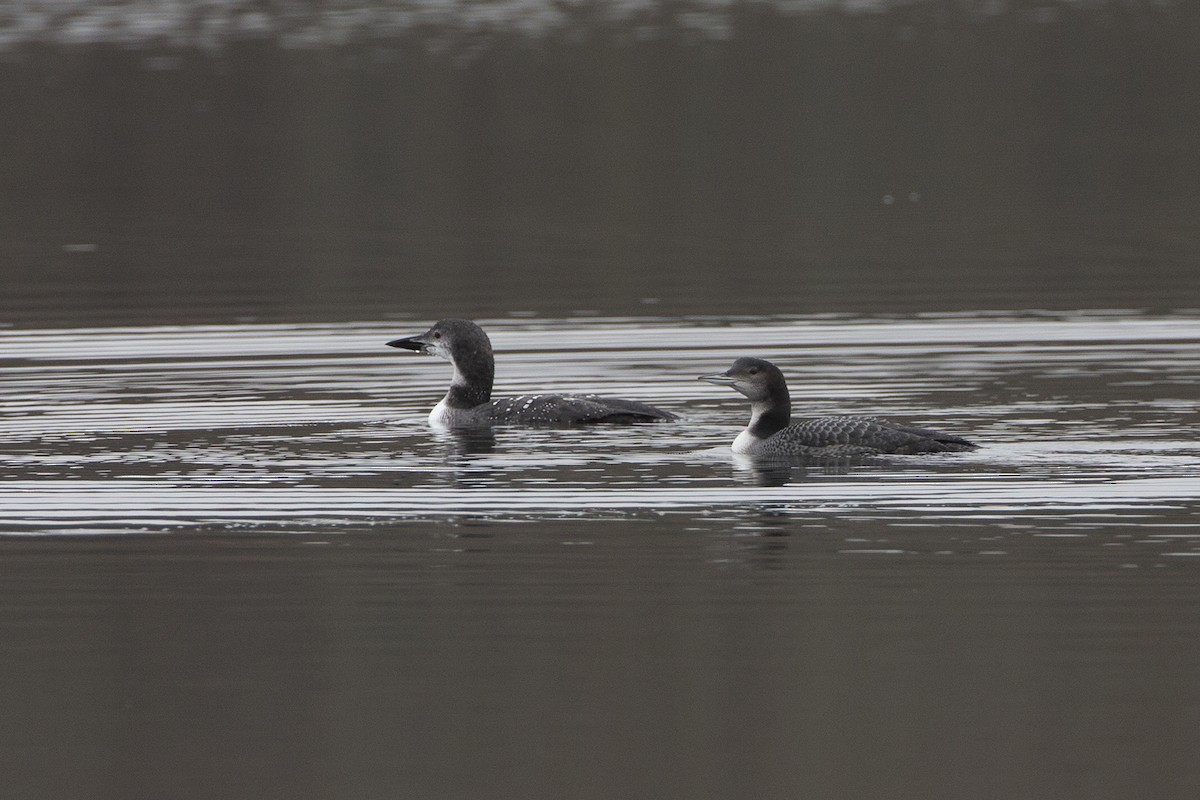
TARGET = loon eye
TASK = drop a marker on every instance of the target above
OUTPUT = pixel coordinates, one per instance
(753, 370)
(437, 334)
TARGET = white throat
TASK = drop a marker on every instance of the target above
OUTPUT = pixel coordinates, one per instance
(746, 440)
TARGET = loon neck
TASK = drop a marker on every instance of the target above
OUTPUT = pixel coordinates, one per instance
(771, 414)
(472, 383)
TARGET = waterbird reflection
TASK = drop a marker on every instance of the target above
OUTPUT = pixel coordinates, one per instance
(460, 442)
(780, 472)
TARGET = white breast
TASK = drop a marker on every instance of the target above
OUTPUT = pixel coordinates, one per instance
(440, 415)
(745, 442)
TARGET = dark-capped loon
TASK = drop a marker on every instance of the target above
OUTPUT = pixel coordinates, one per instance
(769, 434)
(469, 402)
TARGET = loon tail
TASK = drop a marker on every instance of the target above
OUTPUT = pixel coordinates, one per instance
(930, 441)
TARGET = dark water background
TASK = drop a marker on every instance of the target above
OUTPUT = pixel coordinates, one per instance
(924, 157)
(236, 563)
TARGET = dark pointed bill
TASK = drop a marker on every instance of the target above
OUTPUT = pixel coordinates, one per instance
(720, 379)
(411, 343)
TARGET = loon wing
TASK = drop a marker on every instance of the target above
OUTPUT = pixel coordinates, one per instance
(929, 441)
(559, 409)
(871, 433)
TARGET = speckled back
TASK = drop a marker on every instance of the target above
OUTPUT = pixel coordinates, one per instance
(849, 436)
(557, 409)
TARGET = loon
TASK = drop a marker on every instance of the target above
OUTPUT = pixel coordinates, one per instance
(769, 434)
(469, 403)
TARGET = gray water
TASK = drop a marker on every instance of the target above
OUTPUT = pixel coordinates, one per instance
(242, 545)
(316, 426)
(236, 562)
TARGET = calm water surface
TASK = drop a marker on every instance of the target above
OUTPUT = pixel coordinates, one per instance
(236, 563)
(142, 429)
(241, 545)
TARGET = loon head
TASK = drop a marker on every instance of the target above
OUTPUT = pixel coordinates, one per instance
(757, 379)
(467, 347)
(456, 340)
(764, 385)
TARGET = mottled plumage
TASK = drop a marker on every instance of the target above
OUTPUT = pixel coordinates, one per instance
(468, 401)
(545, 409)
(856, 436)
(771, 434)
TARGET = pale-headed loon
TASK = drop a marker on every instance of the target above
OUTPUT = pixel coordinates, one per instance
(469, 403)
(771, 434)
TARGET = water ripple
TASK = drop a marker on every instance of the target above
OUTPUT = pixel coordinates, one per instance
(1085, 418)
